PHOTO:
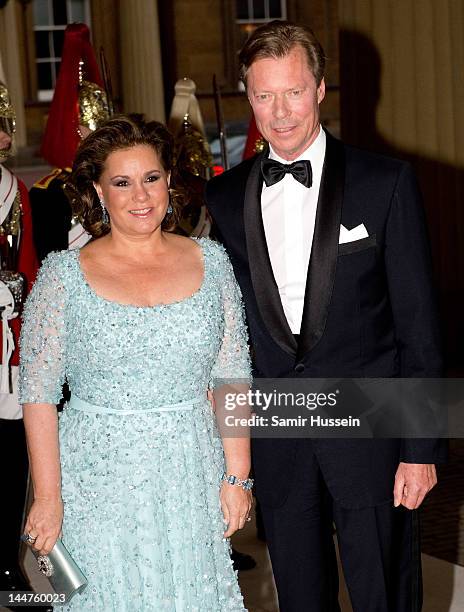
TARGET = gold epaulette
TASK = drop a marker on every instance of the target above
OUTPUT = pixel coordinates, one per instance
(45, 181)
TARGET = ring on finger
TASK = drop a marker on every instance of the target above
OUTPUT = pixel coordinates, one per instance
(29, 539)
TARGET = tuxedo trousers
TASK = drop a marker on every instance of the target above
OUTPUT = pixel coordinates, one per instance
(379, 548)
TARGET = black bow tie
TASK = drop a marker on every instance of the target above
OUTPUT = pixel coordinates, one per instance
(273, 171)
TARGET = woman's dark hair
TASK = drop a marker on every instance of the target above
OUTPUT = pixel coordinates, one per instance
(121, 132)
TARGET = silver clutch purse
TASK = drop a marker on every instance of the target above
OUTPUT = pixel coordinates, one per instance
(62, 572)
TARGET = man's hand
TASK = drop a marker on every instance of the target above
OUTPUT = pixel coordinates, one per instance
(412, 483)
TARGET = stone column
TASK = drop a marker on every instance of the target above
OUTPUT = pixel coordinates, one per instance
(9, 53)
(142, 78)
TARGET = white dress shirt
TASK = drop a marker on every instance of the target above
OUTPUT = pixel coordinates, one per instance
(289, 215)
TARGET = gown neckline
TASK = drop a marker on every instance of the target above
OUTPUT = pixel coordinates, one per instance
(154, 307)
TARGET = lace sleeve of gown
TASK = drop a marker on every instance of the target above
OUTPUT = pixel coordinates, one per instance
(42, 363)
(233, 360)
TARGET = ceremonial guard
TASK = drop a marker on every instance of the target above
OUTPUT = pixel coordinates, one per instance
(79, 106)
(193, 160)
(18, 267)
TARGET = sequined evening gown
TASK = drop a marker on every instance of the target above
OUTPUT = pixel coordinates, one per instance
(140, 455)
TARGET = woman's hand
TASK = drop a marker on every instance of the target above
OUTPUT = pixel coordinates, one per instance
(44, 523)
(236, 506)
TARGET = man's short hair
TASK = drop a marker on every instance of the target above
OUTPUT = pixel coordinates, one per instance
(277, 39)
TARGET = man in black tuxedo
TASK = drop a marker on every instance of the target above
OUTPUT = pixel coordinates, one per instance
(329, 246)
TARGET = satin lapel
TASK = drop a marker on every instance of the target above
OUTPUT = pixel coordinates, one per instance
(324, 252)
(262, 276)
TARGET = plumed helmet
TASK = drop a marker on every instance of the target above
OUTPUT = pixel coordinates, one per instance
(79, 98)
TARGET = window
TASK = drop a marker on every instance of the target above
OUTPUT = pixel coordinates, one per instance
(240, 19)
(251, 13)
(260, 10)
(50, 18)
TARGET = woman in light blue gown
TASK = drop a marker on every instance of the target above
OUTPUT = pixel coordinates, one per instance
(139, 323)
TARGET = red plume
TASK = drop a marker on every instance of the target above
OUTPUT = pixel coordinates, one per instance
(254, 135)
(61, 139)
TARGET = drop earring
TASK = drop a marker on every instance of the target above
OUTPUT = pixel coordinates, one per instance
(169, 208)
(105, 216)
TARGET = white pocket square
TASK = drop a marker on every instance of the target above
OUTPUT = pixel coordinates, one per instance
(356, 233)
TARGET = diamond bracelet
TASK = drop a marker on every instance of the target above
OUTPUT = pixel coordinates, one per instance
(246, 484)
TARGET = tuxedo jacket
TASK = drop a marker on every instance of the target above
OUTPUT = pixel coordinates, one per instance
(369, 308)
